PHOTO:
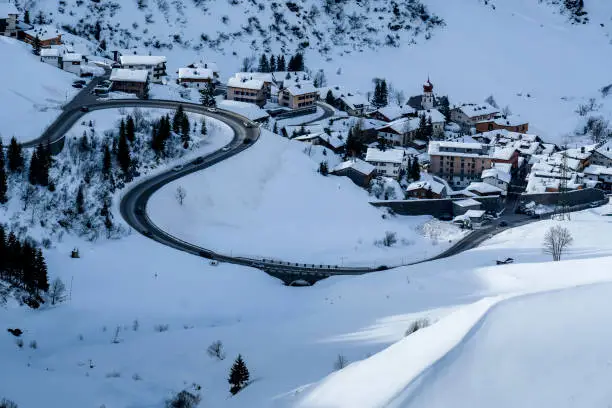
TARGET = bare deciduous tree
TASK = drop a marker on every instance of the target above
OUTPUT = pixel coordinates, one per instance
(556, 241)
(390, 239)
(57, 291)
(180, 194)
(215, 350)
(340, 362)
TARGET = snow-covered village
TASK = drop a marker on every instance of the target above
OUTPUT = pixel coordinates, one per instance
(314, 203)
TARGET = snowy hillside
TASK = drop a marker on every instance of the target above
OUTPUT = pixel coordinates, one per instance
(270, 202)
(32, 93)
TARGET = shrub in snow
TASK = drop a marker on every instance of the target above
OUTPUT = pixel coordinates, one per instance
(215, 350)
(136, 377)
(33, 345)
(389, 240)
(341, 362)
(57, 291)
(416, 326)
(6, 403)
(180, 195)
(19, 343)
(113, 374)
(183, 399)
(135, 325)
(162, 328)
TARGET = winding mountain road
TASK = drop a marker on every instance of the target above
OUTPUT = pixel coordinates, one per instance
(134, 202)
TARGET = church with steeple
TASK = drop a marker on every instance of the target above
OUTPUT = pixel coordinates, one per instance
(425, 101)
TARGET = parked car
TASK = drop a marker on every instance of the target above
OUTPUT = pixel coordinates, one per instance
(213, 110)
(79, 81)
(213, 262)
(139, 211)
(593, 205)
(225, 149)
(197, 161)
(247, 141)
(248, 124)
(503, 224)
(147, 233)
(84, 108)
(505, 261)
(178, 167)
(79, 86)
(257, 265)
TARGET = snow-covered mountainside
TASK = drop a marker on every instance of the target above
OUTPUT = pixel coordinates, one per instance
(536, 57)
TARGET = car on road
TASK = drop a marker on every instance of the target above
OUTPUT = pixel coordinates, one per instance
(213, 110)
(225, 149)
(84, 108)
(257, 265)
(76, 85)
(503, 224)
(116, 65)
(178, 167)
(593, 205)
(535, 216)
(505, 261)
(214, 263)
(147, 233)
(248, 124)
(79, 81)
(247, 141)
(197, 161)
(139, 211)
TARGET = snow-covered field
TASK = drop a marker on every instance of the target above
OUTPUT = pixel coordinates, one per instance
(290, 337)
(32, 92)
(270, 202)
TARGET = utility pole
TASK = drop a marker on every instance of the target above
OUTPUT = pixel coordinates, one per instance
(562, 209)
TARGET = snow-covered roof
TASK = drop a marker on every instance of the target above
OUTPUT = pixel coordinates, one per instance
(458, 149)
(426, 185)
(44, 32)
(385, 156)
(472, 110)
(503, 153)
(475, 213)
(468, 202)
(353, 100)
(483, 188)
(459, 145)
(434, 114)
(236, 82)
(7, 9)
(129, 75)
(142, 59)
(49, 52)
(207, 65)
(356, 164)
(510, 120)
(195, 73)
(496, 173)
(260, 76)
(605, 150)
(401, 125)
(248, 110)
(598, 170)
(302, 88)
(72, 57)
(393, 112)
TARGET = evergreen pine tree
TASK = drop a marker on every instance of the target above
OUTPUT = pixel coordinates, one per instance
(80, 200)
(26, 16)
(415, 171)
(272, 63)
(122, 129)
(107, 163)
(428, 128)
(329, 98)
(280, 63)
(3, 251)
(34, 169)
(177, 120)
(207, 95)
(130, 129)
(36, 45)
(291, 64)
(123, 154)
(239, 376)
(264, 66)
(203, 129)
(40, 271)
(384, 93)
(3, 190)
(15, 156)
(275, 128)
(422, 131)
(185, 130)
(444, 107)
